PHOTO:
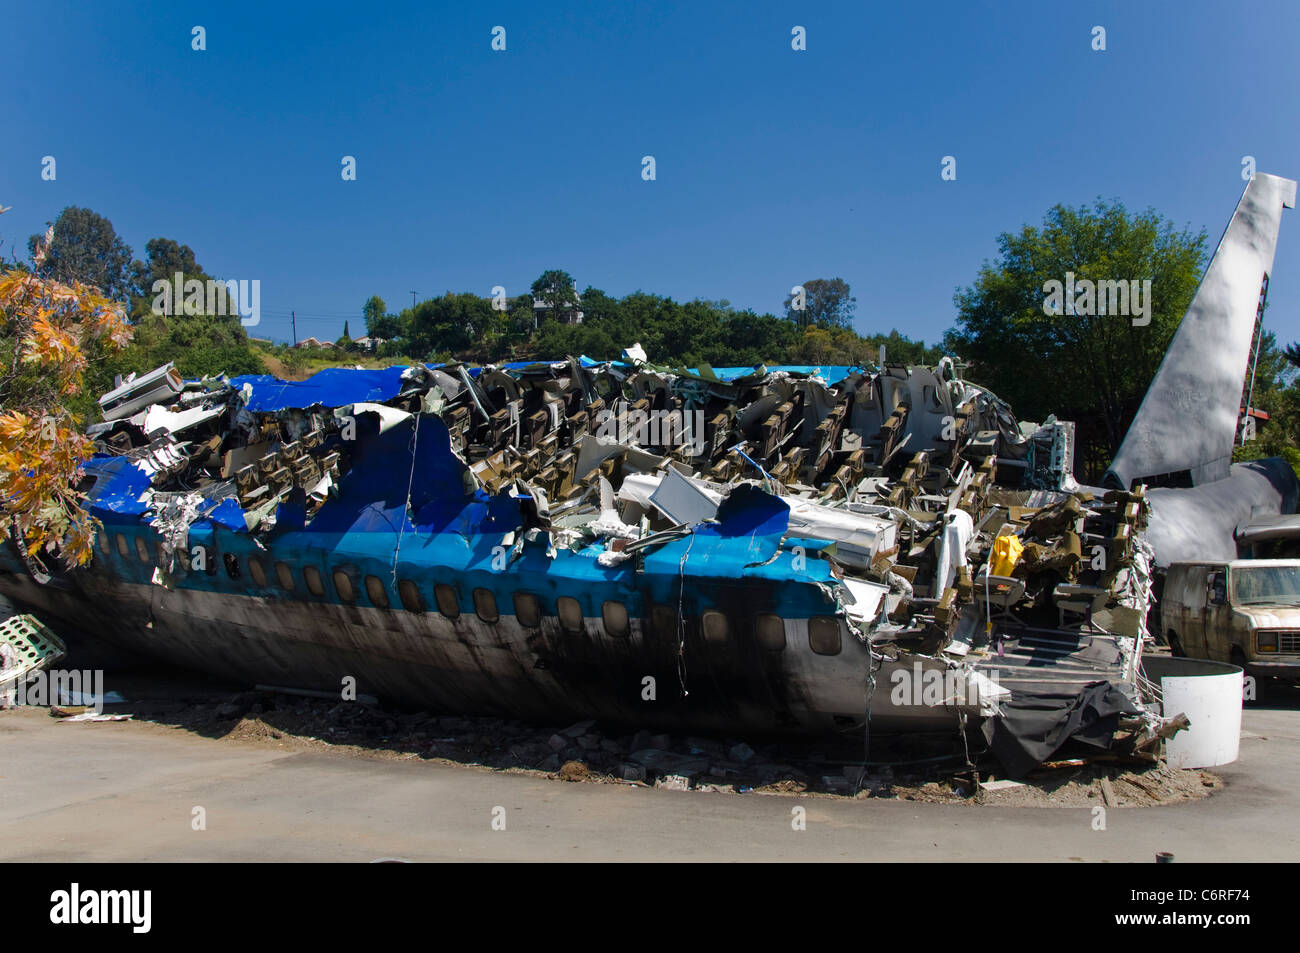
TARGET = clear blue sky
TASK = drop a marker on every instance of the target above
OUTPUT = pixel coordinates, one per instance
(478, 168)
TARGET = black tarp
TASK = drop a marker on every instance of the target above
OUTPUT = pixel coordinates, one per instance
(1034, 725)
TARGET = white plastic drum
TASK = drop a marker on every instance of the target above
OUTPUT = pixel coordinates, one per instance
(1209, 694)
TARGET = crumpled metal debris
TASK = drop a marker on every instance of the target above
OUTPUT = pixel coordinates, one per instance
(894, 481)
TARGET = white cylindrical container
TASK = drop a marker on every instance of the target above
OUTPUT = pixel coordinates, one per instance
(1209, 694)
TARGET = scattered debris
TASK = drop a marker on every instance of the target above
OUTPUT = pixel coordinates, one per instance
(1000, 784)
(791, 767)
(93, 716)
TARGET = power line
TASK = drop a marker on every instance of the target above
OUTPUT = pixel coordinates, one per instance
(285, 312)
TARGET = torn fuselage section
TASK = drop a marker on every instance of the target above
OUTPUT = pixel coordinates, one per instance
(791, 548)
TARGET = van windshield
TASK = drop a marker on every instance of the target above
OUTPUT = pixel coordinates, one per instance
(1266, 585)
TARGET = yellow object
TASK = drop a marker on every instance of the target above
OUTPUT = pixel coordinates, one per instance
(1005, 555)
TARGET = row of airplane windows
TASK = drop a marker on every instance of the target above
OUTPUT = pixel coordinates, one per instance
(768, 628)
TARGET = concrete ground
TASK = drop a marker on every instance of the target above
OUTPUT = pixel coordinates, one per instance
(129, 791)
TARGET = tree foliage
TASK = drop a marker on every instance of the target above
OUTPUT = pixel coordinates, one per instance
(86, 248)
(1093, 370)
(827, 304)
(449, 324)
(379, 323)
(47, 327)
(556, 290)
(199, 344)
(466, 327)
(165, 258)
(1277, 393)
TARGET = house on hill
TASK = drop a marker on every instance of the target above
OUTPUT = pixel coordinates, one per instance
(568, 313)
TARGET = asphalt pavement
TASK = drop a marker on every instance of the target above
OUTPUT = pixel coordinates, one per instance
(138, 791)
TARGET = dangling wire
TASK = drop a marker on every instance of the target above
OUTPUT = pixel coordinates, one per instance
(866, 721)
(970, 765)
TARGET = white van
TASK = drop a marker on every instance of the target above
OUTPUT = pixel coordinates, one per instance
(1243, 611)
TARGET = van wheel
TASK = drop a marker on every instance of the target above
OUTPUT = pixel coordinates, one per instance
(1175, 647)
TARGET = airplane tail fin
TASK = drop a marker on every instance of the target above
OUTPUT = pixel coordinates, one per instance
(1187, 422)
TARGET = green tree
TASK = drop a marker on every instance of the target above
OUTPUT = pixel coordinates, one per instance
(757, 339)
(1277, 393)
(828, 304)
(1093, 370)
(86, 248)
(555, 341)
(450, 323)
(165, 259)
(379, 323)
(711, 332)
(199, 344)
(900, 349)
(46, 327)
(556, 290)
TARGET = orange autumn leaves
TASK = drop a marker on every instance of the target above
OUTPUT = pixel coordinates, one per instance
(46, 327)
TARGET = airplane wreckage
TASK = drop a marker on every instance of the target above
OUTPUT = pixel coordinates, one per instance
(762, 550)
(767, 550)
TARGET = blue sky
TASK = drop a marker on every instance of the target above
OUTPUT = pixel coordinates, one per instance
(478, 168)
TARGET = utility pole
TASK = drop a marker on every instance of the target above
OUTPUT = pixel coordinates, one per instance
(413, 294)
(293, 316)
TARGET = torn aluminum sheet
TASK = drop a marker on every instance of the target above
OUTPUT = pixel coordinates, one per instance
(171, 518)
(682, 501)
(159, 420)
